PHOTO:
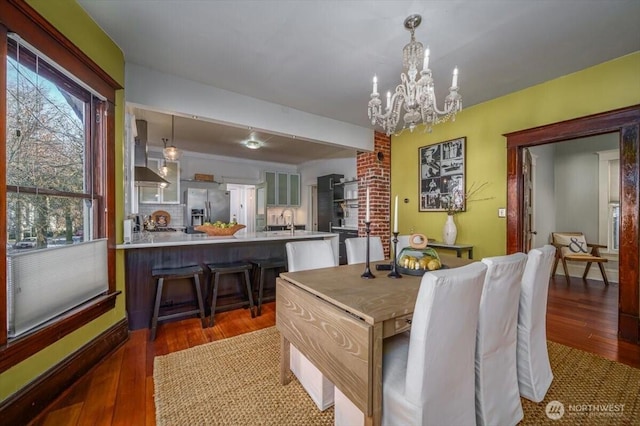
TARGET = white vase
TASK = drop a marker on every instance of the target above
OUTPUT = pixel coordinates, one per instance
(449, 231)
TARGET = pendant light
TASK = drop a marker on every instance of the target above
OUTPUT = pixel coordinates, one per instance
(171, 153)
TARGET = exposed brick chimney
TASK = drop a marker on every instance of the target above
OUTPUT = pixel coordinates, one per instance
(374, 171)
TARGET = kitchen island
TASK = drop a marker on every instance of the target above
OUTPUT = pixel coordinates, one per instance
(151, 250)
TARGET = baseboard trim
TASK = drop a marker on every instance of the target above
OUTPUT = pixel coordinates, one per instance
(29, 401)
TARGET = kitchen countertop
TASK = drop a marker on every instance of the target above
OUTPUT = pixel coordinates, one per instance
(345, 228)
(169, 239)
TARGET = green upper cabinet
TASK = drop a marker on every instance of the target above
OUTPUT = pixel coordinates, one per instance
(270, 179)
(168, 195)
(294, 189)
(283, 189)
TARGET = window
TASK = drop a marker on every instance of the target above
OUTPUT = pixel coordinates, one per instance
(50, 143)
(58, 159)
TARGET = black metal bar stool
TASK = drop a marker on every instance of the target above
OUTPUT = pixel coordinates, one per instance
(218, 269)
(162, 274)
(259, 268)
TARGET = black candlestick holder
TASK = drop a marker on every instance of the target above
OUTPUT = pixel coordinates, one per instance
(367, 274)
(394, 267)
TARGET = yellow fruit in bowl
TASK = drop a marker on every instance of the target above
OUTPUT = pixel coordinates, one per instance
(434, 264)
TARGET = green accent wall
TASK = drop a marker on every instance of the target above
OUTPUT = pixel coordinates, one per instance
(70, 19)
(608, 86)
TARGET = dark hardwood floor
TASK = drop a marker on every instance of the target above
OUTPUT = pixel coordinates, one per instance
(119, 391)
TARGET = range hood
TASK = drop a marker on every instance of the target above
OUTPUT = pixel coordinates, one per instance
(143, 175)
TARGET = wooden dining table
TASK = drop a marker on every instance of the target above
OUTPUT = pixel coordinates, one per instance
(338, 320)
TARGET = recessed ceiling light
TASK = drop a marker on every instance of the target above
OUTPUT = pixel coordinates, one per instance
(253, 144)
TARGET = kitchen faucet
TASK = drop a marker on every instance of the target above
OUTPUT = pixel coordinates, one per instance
(291, 225)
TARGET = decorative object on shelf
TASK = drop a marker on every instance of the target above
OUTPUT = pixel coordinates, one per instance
(201, 177)
(215, 231)
(449, 231)
(367, 274)
(442, 175)
(171, 153)
(417, 96)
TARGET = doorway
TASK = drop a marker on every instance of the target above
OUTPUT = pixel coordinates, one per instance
(626, 123)
(243, 205)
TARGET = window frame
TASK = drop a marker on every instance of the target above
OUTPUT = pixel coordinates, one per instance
(17, 16)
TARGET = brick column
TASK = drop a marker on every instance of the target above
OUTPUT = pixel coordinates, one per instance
(374, 171)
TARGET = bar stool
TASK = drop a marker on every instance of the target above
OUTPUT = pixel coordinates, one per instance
(162, 274)
(218, 269)
(259, 268)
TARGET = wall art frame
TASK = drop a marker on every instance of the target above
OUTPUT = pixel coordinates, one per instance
(442, 175)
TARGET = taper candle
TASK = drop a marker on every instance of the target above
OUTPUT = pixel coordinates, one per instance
(395, 217)
(367, 218)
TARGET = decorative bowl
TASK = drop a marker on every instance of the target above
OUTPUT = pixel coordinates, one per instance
(219, 232)
(415, 261)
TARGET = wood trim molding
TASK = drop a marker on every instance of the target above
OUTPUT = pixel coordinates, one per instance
(22, 348)
(3, 183)
(27, 403)
(626, 122)
(17, 16)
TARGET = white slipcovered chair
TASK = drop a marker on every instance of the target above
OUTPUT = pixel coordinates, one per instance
(357, 249)
(534, 370)
(403, 241)
(427, 372)
(497, 394)
(301, 256)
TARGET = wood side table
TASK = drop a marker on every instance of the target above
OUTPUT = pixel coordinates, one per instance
(459, 248)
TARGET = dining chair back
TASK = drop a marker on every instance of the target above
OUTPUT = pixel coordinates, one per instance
(357, 249)
(403, 241)
(314, 254)
(534, 370)
(428, 372)
(497, 394)
(301, 256)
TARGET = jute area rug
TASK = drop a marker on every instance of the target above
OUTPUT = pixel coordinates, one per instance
(235, 381)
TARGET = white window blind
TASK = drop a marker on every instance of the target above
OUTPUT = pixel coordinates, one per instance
(43, 284)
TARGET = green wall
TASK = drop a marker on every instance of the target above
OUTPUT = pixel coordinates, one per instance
(70, 19)
(611, 85)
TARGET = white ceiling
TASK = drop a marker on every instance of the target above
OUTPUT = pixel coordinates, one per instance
(319, 56)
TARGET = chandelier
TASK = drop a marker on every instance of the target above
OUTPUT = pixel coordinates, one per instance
(415, 96)
(171, 153)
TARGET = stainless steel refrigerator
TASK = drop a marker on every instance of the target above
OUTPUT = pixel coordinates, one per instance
(206, 205)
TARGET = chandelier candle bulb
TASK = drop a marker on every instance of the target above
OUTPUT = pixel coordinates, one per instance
(375, 84)
(395, 217)
(454, 83)
(367, 217)
(388, 99)
(425, 66)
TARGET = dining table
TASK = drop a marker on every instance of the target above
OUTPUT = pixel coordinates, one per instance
(338, 321)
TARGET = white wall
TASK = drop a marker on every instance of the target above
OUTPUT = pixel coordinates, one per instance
(544, 208)
(165, 92)
(577, 183)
